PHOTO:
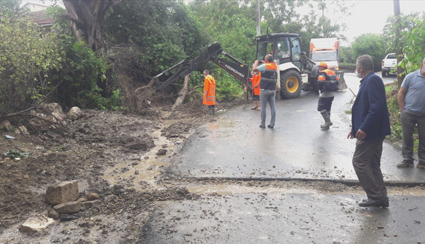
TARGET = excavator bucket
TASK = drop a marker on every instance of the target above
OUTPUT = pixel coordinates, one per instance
(143, 94)
(341, 82)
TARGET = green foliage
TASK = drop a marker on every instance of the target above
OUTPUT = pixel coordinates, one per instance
(81, 72)
(393, 109)
(160, 33)
(146, 37)
(9, 9)
(28, 60)
(278, 16)
(414, 48)
(12, 154)
(228, 89)
(232, 24)
(411, 35)
(347, 54)
(322, 21)
(371, 44)
(407, 24)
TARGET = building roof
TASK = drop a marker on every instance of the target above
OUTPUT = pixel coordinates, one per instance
(41, 17)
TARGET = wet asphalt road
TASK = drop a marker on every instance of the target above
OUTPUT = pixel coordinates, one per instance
(287, 218)
(234, 147)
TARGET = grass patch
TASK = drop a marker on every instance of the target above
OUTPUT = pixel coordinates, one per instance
(389, 87)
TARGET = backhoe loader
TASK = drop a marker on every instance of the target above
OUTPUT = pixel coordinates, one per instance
(296, 71)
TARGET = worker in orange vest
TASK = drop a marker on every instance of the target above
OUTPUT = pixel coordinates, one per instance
(328, 84)
(209, 92)
(256, 90)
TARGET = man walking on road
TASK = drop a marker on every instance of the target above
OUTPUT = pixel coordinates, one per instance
(370, 125)
(328, 84)
(267, 88)
(411, 101)
(209, 92)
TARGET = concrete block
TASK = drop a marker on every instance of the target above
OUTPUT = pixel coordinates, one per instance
(62, 193)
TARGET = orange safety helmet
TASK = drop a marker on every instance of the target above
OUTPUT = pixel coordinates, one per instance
(323, 64)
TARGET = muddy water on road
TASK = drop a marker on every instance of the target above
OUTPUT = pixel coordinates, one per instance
(143, 174)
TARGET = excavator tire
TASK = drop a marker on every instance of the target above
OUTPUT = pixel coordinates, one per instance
(290, 84)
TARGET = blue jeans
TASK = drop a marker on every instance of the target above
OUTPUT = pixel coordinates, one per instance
(267, 96)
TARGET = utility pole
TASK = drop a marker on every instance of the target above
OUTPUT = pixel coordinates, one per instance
(258, 19)
(398, 49)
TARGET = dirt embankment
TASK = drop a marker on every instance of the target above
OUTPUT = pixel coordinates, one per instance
(122, 157)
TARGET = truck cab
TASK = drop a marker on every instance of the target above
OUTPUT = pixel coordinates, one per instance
(325, 50)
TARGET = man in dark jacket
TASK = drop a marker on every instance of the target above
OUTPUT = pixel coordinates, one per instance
(370, 125)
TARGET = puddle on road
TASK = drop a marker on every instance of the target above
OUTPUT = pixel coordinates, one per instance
(221, 123)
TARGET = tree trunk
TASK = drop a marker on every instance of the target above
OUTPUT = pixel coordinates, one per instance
(182, 92)
(399, 51)
(258, 18)
(88, 16)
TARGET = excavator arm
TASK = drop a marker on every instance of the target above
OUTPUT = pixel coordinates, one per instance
(232, 65)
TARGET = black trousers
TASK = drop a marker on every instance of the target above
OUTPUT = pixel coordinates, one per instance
(325, 103)
(367, 164)
(408, 122)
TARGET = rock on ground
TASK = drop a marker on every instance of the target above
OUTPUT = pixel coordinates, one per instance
(62, 193)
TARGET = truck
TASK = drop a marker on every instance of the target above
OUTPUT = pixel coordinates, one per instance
(296, 71)
(388, 64)
(325, 50)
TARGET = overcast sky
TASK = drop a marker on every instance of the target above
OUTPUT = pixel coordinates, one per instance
(367, 16)
(370, 16)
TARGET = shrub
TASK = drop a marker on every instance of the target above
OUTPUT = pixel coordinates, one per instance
(28, 60)
(83, 70)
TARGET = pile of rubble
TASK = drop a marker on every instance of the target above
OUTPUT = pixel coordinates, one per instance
(65, 200)
(44, 117)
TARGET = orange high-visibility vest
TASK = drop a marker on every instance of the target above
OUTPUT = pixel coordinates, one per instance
(328, 75)
(269, 77)
(256, 78)
(328, 80)
(209, 90)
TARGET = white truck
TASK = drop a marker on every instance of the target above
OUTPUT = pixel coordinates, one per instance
(325, 50)
(388, 64)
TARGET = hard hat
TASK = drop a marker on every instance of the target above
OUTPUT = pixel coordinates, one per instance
(323, 64)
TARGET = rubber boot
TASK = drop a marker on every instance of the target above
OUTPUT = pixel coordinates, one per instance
(211, 110)
(326, 116)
